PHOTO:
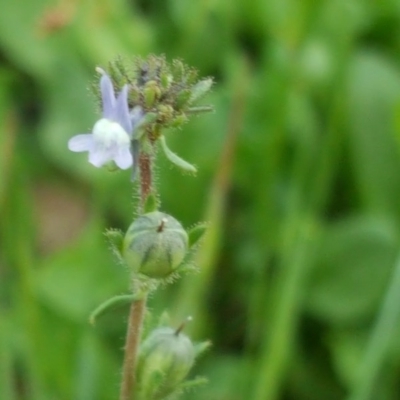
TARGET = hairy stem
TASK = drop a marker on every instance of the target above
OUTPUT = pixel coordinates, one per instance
(135, 322)
(138, 308)
(145, 177)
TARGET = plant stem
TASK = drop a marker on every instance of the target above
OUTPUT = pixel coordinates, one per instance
(138, 308)
(145, 177)
(276, 350)
(135, 322)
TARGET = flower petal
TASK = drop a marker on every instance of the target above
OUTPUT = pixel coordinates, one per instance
(107, 96)
(121, 111)
(136, 115)
(83, 142)
(99, 155)
(124, 158)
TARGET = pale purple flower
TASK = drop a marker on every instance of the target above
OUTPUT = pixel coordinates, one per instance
(110, 139)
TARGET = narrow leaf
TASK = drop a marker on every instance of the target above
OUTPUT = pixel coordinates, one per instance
(112, 303)
(193, 383)
(199, 109)
(175, 159)
(151, 203)
(202, 347)
(115, 237)
(200, 89)
(196, 233)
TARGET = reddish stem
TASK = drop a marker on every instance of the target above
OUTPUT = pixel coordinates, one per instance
(138, 308)
(135, 322)
(145, 176)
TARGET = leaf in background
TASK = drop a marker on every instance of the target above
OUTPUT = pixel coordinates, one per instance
(348, 351)
(19, 35)
(88, 363)
(226, 381)
(94, 372)
(353, 265)
(78, 278)
(7, 372)
(374, 92)
(8, 129)
(347, 348)
(69, 110)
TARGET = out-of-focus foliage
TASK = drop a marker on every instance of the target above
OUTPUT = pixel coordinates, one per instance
(299, 176)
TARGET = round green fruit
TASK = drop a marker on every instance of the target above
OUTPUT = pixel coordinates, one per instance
(155, 244)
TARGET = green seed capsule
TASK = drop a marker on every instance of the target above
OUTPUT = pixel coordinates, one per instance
(165, 359)
(155, 244)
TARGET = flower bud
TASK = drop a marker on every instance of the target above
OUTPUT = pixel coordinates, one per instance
(166, 80)
(200, 89)
(182, 99)
(151, 93)
(155, 244)
(165, 358)
(179, 120)
(165, 113)
(178, 70)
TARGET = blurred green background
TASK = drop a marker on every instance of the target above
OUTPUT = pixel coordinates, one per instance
(299, 176)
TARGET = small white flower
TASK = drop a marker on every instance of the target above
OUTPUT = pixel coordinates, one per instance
(110, 139)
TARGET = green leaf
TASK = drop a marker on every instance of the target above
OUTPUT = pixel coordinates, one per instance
(353, 266)
(182, 99)
(199, 109)
(7, 386)
(374, 94)
(74, 280)
(116, 238)
(200, 89)
(347, 347)
(112, 303)
(196, 233)
(175, 159)
(151, 203)
(202, 347)
(194, 383)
